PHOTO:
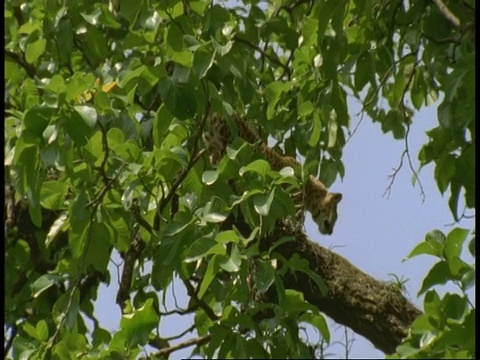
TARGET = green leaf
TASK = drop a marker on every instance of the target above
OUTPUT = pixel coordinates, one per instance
(425, 248)
(210, 273)
(263, 202)
(455, 189)
(130, 9)
(274, 92)
(37, 119)
(445, 170)
(93, 44)
(454, 243)
(88, 114)
(43, 283)
(228, 236)
(179, 98)
(202, 62)
(264, 275)
(318, 321)
(78, 129)
(209, 177)
(203, 246)
(259, 166)
(35, 50)
(53, 194)
(136, 326)
(438, 274)
(363, 71)
(231, 263)
(42, 330)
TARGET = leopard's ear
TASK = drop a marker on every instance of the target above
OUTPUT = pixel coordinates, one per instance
(337, 197)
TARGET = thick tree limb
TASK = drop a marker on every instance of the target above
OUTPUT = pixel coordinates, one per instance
(368, 306)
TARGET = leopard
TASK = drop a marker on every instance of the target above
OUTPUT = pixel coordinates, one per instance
(315, 197)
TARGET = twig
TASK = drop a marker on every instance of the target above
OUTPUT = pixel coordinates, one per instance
(196, 341)
(207, 309)
(447, 13)
(174, 337)
(175, 312)
(20, 60)
(131, 257)
(265, 54)
(388, 190)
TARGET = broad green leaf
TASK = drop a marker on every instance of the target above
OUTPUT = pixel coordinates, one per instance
(259, 166)
(214, 217)
(209, 177)
(37, 119)
(99, 247)
(438, 274)
(222, 50)
(179, 99)
(454, 243)
(43, 283)
(78, 129)
(202, 62)
(455, 189)
(264, 275)
(210, 273)
(363, 71)
(263, 202)
(444, 171)
(35, 50)
(130, 9)
(204, 246)
(318, 321)
(231, 263)
(87, 113)
(426, 247)
(42, 330)
(53, 195)
(136, 326)
(228, 236)
(468, 280)
(274, 92)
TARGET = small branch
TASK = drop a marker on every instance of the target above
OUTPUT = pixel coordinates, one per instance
(20, 60)
(388, 190)
(196, 341)
(131, 257)
(447, 13)
(183, 333)
(175, 312)
(207, 309)
(193, 159)
(265, 54)
(106, 187)
(106, 151)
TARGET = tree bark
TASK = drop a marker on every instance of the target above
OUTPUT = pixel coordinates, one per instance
(368, 306)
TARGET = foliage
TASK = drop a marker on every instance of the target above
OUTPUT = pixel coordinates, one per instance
(105, 104)
(446, 329)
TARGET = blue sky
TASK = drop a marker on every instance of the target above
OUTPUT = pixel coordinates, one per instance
(373, 232)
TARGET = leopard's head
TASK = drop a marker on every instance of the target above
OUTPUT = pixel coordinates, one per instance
(324, 212)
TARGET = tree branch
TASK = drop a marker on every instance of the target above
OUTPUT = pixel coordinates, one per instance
(265, 54)
(447, 13)
(190, 342)
(20, 60)
(369, 307)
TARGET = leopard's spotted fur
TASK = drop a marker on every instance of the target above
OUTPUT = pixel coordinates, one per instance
(321, 203)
